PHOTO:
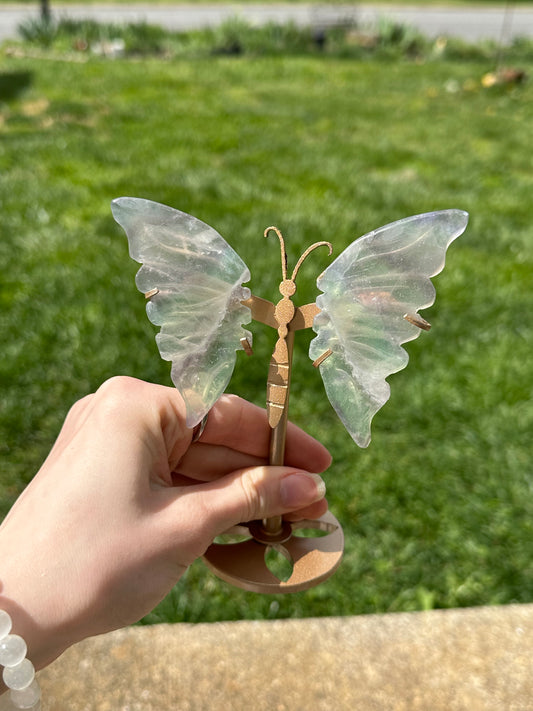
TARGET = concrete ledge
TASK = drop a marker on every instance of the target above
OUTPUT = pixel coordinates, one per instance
(478, 659)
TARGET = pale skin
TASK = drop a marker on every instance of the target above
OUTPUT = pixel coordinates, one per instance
(126, 501)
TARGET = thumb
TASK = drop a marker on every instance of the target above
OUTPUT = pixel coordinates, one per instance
(246, 495)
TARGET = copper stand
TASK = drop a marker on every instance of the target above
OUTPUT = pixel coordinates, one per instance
(313, 559)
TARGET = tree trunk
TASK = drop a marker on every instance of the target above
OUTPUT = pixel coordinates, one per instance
(45, 10)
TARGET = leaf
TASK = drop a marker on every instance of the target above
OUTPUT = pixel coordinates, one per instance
(196, 278)
(367, 291)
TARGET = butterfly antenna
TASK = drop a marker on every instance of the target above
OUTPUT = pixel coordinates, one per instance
(283, 252)
(307, 253)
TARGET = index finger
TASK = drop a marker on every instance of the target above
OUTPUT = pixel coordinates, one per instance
(237, 424)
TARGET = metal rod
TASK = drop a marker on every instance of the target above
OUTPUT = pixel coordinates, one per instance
(278, 438)
(506, 27)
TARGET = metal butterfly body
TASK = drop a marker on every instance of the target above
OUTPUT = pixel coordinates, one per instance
(368, 307)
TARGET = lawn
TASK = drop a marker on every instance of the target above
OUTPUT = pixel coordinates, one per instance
(438, 511)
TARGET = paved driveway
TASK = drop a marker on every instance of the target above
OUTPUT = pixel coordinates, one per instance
(468, 23)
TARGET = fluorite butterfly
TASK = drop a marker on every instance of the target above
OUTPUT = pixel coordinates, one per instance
(371, 295)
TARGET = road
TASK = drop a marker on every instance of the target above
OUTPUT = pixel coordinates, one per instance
(470, 24)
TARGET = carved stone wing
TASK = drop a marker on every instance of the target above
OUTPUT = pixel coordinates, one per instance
(196, 280)
(367, 292)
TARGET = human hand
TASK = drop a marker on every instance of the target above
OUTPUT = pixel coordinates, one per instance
(125, 502)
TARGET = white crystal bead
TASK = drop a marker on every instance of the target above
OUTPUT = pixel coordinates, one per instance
(12, 650)
(20, 676)
(27, 698)
(5, 624)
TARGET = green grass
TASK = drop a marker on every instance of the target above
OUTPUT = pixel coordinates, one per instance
(438, 510)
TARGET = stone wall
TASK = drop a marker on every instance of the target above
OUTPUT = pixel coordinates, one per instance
(478, 659)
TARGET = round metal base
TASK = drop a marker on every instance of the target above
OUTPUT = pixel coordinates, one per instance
(313, 559)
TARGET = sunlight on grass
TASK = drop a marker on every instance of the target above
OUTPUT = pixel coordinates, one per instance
(438, 510)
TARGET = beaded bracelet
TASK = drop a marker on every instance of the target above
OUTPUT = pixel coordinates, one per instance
(19, 673)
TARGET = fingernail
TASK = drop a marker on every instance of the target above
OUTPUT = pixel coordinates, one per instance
(298, 490)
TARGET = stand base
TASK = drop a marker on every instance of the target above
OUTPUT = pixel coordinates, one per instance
(313, 559)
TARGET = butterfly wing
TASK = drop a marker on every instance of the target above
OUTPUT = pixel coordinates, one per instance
(367, 291)
(198, 279)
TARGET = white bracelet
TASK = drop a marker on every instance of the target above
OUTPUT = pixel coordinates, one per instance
(19, 673)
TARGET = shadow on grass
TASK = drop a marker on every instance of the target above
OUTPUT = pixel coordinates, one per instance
(12, 84)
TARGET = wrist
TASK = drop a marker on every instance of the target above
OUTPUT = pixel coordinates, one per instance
(43, 644)
(32, 601)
